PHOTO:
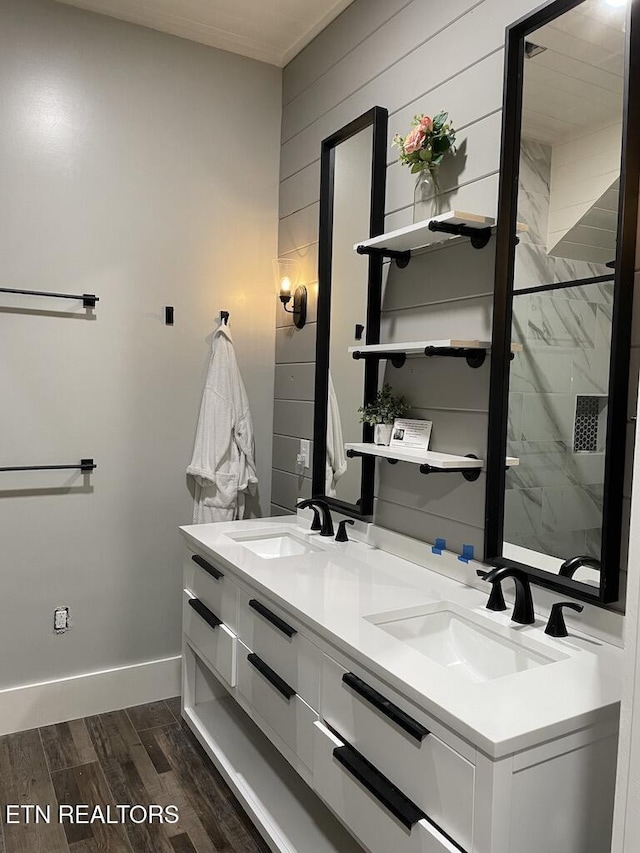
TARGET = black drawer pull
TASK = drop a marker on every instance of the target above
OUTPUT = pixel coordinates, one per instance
(397, 715)
(276, 621)
(209, 569)
(271, 676)
(382, 789)
(202, 610)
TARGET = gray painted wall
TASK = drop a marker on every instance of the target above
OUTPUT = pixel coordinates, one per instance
(126, 170)
(408, 56)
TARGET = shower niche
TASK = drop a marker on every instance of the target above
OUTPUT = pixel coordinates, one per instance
(590, 424)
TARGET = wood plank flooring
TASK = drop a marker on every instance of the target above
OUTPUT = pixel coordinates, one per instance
(138, 756)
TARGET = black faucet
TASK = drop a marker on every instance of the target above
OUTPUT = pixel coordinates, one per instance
(555, 625)
(327, 522)
(523, 609)
(570, 567)
(496, 599)
(341, 535)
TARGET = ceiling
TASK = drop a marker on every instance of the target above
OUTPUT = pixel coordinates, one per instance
(272, 31)
(571, 89)
(578, 80)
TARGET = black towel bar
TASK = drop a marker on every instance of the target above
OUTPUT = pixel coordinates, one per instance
(83, 465)
(88, 299)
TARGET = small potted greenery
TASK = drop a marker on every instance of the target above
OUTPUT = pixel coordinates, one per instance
(382, 412)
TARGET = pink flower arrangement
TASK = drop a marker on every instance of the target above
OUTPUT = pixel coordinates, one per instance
(427, 143)
(413, 142)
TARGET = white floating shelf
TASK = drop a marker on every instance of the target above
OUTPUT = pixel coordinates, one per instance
(418, 347)
(420, 235)
(418, 457)
(442, 461)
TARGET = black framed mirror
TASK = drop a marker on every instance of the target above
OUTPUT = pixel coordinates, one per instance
(565, 260)
(352, 199)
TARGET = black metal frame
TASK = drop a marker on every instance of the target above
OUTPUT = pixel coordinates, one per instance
(563, 285)
(377, 118)
(621, 323)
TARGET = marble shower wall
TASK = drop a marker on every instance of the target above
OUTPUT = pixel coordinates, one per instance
(533, 265)
(554, 498)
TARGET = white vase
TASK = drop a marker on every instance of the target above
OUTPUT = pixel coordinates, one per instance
(382, 433)
(426, 196)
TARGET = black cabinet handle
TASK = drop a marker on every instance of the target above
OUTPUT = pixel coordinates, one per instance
(272, 677)
(209, 569)
(382, 789)
(270, 616)
(400, 718)
(202, 610)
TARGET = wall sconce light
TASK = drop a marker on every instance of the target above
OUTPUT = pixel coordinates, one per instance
(287, 273)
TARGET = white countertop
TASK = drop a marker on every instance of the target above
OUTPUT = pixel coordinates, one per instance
(331, 591)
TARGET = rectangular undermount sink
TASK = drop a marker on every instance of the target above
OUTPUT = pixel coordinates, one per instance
(464, 642)
(271, 545)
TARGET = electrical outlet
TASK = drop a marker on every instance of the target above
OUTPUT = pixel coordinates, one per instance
(305, 452)
(61, 620)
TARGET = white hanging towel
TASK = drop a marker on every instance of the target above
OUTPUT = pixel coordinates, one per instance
(336, 463)
(223, 454)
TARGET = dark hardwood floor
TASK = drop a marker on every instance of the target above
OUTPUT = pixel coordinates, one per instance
(139, 756)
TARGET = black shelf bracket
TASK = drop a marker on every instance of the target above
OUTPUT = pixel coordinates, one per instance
(401, 258)
(470, 474)
(353, 453)
(85, 465)
(397, 359)
(88, 299)
(479, 236)
(474, 357)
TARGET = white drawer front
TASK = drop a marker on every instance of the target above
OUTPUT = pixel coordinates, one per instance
(217, 645)
(212, 586)
(366, 814)
(290, 717)
(434, 776)
(266, 629)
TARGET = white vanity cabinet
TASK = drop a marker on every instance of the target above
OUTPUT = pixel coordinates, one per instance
(376, 812)
(278, 672)
(280, 640)
(402, 744)
(209, 615)
(283, 713)
(556, 797)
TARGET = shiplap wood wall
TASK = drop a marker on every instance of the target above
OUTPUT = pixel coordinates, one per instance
(408, 56)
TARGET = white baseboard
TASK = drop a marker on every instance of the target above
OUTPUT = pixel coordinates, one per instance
(33, 705)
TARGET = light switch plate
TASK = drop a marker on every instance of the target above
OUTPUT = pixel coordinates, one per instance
(305, 451)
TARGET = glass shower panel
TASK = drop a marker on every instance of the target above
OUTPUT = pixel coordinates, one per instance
(557, 423)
